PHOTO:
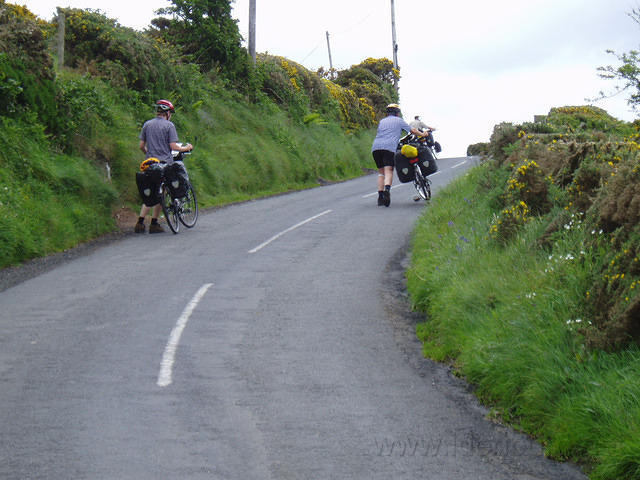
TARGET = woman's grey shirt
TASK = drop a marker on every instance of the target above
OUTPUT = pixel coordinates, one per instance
(389, 132)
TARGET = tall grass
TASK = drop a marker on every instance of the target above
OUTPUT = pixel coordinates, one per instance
(509, 319)
(69, 138)
(54, 197)
(48, 201)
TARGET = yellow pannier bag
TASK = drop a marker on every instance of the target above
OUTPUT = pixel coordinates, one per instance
(148, 162)
(409, 151)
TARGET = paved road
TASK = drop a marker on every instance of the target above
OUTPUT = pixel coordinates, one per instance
(270, 342)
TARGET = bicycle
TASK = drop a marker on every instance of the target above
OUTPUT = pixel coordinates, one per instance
(422, 163)
(421, 182)
(177, 196)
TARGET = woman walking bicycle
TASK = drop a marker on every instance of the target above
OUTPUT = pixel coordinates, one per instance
(384, 148)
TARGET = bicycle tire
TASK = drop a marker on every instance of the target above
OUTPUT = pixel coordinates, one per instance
(422, 184)
(169, 210)
(188, 212)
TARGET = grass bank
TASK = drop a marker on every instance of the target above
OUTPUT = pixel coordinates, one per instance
(510, 293)
(53, 200)
(69, 133)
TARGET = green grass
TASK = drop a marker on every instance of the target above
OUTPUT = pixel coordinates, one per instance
(51, 200)
(48, 201)
(508, 318)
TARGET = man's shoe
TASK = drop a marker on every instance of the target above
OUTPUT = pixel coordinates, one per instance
(156, 228)
(139, 228)
(381, 200)
(387, 198)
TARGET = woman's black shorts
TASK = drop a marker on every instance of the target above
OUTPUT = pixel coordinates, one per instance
(384, 158)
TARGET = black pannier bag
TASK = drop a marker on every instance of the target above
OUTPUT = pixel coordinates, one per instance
(427, 161)
(175, 177)
(404, 169)
(149, 184)
(430, 140)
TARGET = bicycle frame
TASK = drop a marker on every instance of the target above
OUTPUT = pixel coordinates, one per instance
(421, 183)
(182, 209)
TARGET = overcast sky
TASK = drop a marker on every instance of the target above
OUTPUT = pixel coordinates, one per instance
(465, 65)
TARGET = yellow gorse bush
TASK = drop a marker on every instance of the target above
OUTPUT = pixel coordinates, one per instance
(356, 111)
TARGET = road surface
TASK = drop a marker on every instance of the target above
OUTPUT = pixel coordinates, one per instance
(272, 341)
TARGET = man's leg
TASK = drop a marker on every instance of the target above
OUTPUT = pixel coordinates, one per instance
(155, 227)
(140, 228)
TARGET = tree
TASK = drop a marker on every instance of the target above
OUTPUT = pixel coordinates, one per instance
(628, 73)
(206, 32)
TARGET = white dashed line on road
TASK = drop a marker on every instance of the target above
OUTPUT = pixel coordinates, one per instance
(169, 356)
(278, 235)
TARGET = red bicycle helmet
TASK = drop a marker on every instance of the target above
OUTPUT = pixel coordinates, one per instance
(165, 106)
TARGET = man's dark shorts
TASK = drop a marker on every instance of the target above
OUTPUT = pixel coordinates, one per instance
(384, 158)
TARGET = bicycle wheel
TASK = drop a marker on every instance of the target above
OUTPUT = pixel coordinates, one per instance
(169, 210)
(188, 212)
(422, 185)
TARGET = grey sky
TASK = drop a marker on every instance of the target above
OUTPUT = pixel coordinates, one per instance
(465, 65)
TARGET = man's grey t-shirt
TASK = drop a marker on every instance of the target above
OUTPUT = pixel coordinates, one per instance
(389, 132)
(158, 133)
(419, 125)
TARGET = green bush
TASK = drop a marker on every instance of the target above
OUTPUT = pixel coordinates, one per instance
(544, 322)
(26, 72)
(126, 58)
(372, 80)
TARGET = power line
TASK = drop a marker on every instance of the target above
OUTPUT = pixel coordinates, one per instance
(310, 53)
(353, 27)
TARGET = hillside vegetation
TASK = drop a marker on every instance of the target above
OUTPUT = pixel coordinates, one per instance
(528, 270)
(69, 137)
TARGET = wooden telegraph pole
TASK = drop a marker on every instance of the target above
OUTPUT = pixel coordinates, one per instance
(330, 61)
(393, 39)
(252, 29)
(60, 39)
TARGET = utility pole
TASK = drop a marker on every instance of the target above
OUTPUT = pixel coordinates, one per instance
(330, 61)
(252, 29)
(393, 39)
(60, 39)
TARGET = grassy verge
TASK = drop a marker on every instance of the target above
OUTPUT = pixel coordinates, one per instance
(69, 135)
(510, 317)
(52, 200)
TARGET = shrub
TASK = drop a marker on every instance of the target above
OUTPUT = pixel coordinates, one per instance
(504, 135)
(26, 69)
(356, 113)
(372, 80)
(584, 164)
(478, 149)
(125, 58)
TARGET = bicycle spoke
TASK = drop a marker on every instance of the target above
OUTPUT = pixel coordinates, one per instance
(188, 213)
